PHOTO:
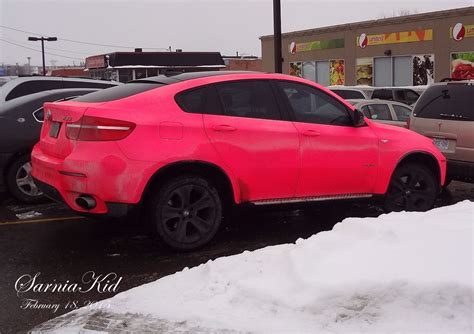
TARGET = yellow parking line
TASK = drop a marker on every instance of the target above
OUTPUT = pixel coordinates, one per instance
(44, 220)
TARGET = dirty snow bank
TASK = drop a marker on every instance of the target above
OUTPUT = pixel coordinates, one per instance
(404, 272)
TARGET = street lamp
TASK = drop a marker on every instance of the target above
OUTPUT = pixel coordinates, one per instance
(42, 39)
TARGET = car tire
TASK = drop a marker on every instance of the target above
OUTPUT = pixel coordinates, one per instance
(19, 182)
(186, 212)
(413, 187)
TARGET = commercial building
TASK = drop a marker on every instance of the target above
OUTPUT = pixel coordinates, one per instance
(126, 66)
(242, 63)
(398, 51)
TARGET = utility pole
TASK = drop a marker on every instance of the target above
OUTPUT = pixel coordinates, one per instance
(42, 39)
(29, 65)
(277, 35)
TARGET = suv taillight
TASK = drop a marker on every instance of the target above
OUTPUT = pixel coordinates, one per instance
(90, 128)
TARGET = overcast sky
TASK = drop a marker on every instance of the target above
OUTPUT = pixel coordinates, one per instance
(191, 25)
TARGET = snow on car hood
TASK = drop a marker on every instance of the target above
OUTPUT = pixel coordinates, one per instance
(400, 272)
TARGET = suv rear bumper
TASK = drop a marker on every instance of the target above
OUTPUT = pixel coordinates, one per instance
(105, 175)
(460, 171)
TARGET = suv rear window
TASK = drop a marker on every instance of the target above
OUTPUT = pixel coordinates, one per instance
(34, 86)
(119, 92)
(451, 101)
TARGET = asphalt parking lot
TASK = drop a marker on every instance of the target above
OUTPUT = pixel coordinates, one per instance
(51, 240)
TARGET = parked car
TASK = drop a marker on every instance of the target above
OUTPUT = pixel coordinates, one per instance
(383, 111)
(405, 95)
(5, 79)
(30, 85)
(350, 92)
(445, 113)
(20, 126)
(186, 148)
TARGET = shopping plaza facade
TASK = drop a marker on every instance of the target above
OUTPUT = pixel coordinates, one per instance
(399, 51)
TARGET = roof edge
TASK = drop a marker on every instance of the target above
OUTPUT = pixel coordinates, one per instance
(367, 24)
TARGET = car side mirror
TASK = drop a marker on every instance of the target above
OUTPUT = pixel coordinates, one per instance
(359, 118)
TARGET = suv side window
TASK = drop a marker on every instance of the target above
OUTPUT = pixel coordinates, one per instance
(411, 96)
(201, 100)
(313, 106)
(400, 95)
(248, 98)
(403, 113)
(384, 94)
(349, 94)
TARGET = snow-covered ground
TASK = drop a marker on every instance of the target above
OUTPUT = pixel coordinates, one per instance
(400, 272)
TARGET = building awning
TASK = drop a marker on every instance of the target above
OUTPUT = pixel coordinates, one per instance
(157, 60)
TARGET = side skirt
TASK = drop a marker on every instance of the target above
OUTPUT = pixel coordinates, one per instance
(309, 199)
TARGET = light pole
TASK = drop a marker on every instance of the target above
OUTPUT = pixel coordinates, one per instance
(42, 39)
(277, 35)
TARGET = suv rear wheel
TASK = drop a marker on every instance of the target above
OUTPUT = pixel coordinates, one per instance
(186, 212)
(412, 188)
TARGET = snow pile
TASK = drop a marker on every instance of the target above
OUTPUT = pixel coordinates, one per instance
(401, 272)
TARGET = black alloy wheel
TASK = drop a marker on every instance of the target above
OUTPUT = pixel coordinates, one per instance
(412, 188)
(187, 213)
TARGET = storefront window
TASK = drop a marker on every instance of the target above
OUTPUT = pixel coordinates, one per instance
(383, 71)
(151, 72)
(309, 70)
(402, 71)
(125, 75)
(140, 73)
(322, 73)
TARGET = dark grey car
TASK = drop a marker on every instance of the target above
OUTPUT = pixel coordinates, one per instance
(20, 126)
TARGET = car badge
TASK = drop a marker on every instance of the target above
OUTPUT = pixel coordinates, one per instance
(49, 116)
(67, 118)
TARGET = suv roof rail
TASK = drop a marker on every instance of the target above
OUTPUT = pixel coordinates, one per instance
(451, 79)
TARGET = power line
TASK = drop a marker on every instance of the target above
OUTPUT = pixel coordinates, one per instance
(81, 42)
(49, 53)
(107, 45)
(50, 48)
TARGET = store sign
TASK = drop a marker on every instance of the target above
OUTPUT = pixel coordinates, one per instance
(95, 62)
(364, 40)
(460, 31)
(316, 45)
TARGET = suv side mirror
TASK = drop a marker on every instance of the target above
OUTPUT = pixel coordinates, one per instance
(359, 118)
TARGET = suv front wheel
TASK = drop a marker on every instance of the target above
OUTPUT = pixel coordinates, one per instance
(413, 187)
(186, 212)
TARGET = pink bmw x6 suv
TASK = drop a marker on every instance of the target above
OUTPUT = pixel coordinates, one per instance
(185, 148)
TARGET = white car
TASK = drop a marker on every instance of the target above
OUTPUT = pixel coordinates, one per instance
(383, 111)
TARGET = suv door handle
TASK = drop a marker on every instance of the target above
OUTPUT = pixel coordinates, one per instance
(223, 128)
(311, 133)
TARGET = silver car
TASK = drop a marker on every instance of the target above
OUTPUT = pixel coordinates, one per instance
(383, 111)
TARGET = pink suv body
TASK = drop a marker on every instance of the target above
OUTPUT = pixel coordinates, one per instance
(245, 137)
